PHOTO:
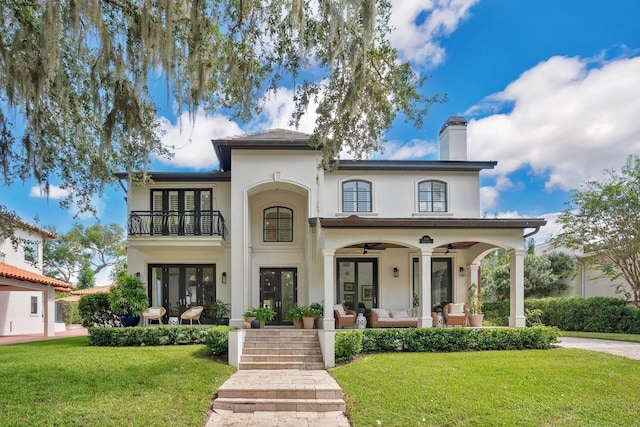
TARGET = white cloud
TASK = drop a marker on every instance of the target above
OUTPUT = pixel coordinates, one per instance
(55, 192)
(414, 149)
(567, 121)
(190, 139)
(277, 109)
(545, 233)
(420, 42)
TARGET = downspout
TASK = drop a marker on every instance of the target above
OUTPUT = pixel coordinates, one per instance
(531, 233)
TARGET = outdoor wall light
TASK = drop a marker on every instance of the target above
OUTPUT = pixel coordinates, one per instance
(138, 274)
(396, 273)
(463, 272)
(224, 277)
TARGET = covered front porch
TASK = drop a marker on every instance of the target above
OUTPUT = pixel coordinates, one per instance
(414, 264)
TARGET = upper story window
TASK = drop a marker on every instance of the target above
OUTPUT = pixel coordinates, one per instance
(30, 249)
(278, 224)
(182, 211)
(432, 196)
(356, 196)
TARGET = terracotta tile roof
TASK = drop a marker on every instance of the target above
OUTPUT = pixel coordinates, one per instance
(11, 272)
(94, 290)
(30, 227)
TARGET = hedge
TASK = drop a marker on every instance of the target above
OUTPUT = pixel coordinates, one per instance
(443, 340)
(598, 314)
(95, 310)
(216, 338)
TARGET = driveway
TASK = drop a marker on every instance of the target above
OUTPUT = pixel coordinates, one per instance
(620, 348)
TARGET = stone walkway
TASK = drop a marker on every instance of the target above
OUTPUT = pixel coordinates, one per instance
(620, 348)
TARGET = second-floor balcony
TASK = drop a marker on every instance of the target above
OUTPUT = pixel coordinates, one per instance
(176, 223)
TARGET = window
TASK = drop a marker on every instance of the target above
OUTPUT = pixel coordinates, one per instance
(30, 251)
(356, 196)
(432, 196)
(34, 305)
(278, 224)
(182, 211)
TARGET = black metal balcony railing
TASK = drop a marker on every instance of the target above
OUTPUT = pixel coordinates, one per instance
(175, 223)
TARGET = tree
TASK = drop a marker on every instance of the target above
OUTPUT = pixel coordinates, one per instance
(603, 219)
(98, 246)
(543, 274)
(86, 276)
(77, 75)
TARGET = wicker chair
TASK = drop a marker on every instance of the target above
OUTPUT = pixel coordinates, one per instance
(344, 317)
(453, 318)
(154, 313)
(192, 314)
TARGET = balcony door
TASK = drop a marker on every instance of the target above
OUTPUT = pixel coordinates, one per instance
(181, 212)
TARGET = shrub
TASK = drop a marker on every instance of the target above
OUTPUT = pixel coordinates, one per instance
(95, 311)
(442, 340)
(70, 312)
(348, 344)
(162, 335)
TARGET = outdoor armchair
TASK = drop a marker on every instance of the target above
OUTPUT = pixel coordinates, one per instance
(344, 317)
(456, 314)
(153, 313)
(192, 314)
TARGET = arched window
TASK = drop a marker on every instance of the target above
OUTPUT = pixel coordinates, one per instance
(356, 196)
(278, 224)
(432, 196)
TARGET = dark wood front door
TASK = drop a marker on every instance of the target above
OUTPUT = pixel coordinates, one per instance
(278, 290)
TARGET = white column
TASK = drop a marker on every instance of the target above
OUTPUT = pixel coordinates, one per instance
(328, 276)
(49, 307)
(425, 320)
(474, 273)
(516, 317)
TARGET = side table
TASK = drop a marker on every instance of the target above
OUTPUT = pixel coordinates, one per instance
(361, 321)
(174, 321)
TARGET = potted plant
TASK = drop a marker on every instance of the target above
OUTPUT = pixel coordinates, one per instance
(309, 315)
(319, 313)
(128, 299)
(474, 302)
(294, 313)
(264, 314)
(220, 312)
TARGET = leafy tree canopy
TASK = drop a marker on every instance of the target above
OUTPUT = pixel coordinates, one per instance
(603, 219)
(75, 100)
(81, 250)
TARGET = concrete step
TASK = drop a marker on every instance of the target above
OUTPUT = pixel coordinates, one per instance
(282, 358)
(281, 365)
(280, 390)
(277, 405)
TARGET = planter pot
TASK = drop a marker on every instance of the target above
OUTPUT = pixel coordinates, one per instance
(297, 322)
(249, 319)
(255, 324)
(222, 321)
(129, 320)
(308, 322)
(475, 320)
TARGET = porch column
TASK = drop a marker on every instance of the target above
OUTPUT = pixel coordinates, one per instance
(424, 317)
(328, 276)
(474, 273)
(516, 317)
(49, 311)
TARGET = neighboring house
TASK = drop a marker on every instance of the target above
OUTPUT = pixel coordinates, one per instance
(76, 294)
(587, 281)
(270, 228)
(27, 303)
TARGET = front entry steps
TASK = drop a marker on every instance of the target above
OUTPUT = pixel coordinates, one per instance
(281, 349)
(281, 370)
(280, 390)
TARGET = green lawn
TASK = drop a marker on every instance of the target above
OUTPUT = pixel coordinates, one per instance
(64, 382)
(601, 336)
(559, 387)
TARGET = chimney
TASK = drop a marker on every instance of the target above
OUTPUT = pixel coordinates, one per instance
(453, 139)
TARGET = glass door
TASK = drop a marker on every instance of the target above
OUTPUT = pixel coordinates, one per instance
(441, 282)
(278, 290)
(357, 282)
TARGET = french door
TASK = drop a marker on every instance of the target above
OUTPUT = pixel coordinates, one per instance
(178, 287)
(358, 282)
(441, 281)
(278, 290)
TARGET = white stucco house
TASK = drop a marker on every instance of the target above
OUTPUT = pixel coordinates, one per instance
(588, 281)
(27, 297)
(271, 228)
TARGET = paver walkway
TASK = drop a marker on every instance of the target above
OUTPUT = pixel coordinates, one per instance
(620, 348)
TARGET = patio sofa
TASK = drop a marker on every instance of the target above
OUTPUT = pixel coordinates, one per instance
(397, 318)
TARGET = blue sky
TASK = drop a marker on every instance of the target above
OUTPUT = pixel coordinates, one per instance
(551, 89)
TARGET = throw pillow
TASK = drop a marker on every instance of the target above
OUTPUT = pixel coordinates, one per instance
(154, 312)
(340, 309)
(399, 314)
(457, 308)
(381, 312)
